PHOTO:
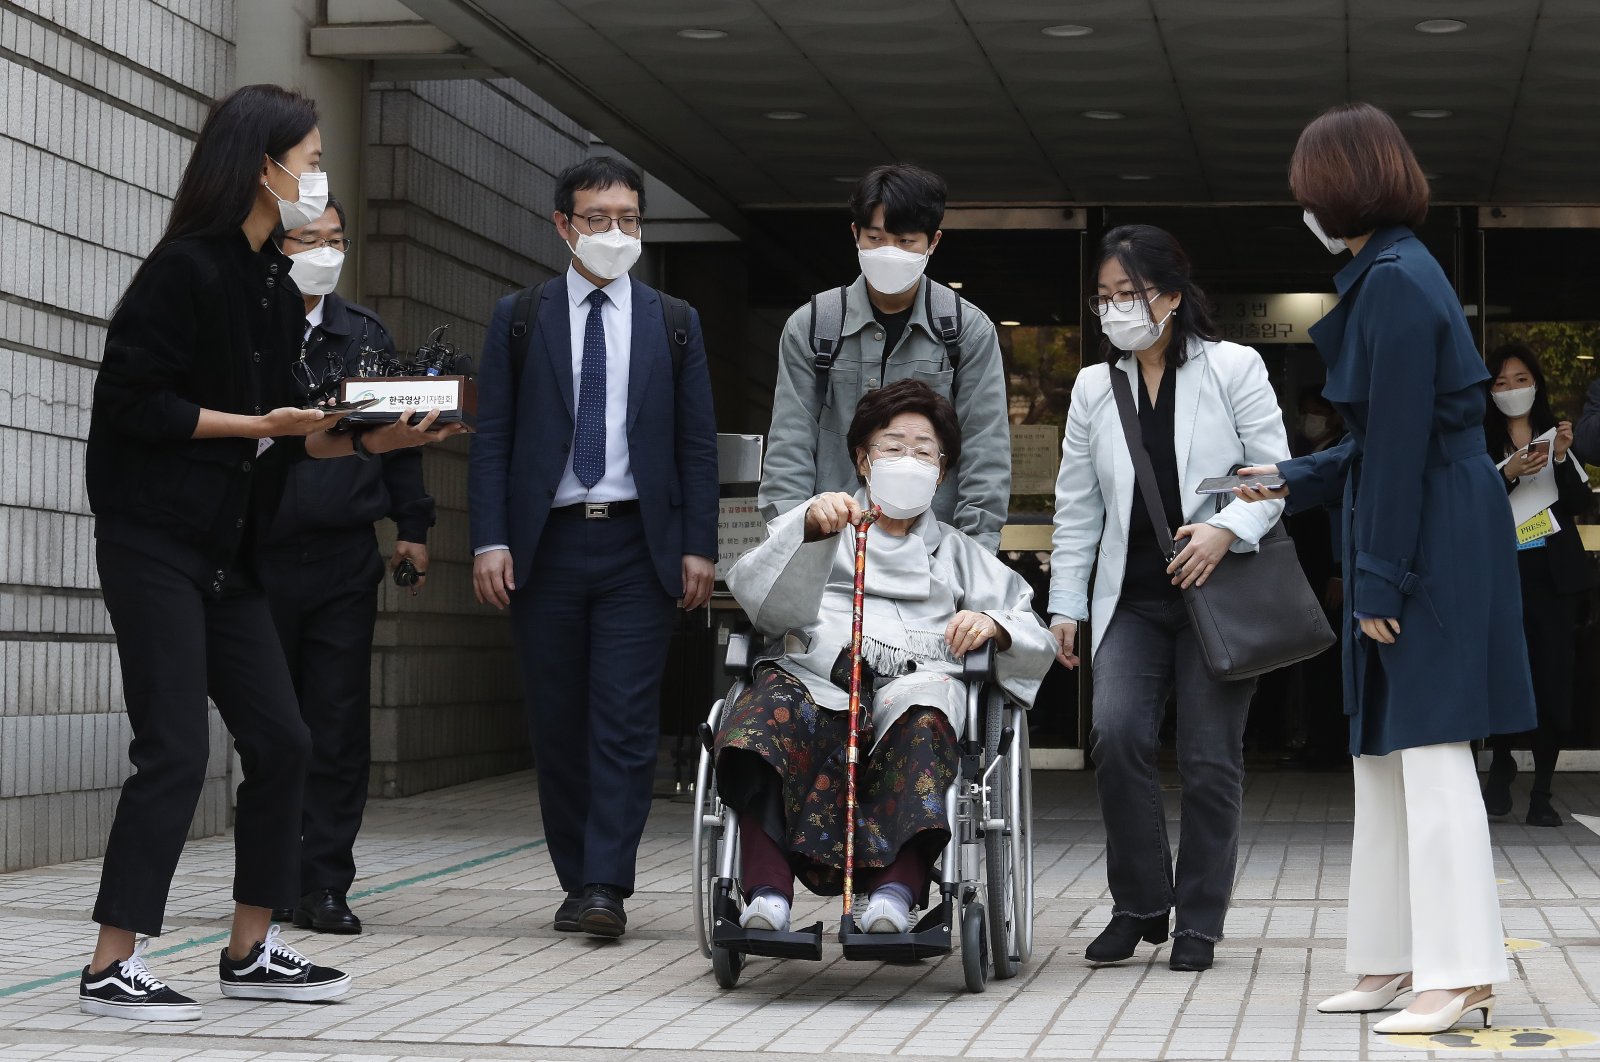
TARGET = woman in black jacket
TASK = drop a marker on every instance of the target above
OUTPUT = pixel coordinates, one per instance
(1555, 572)
(193, 421)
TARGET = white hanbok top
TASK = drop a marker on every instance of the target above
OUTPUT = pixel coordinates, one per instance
(801, 592)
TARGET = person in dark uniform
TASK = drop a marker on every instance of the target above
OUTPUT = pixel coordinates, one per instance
(321, 568)
(1321, 721)
(193, 426)
(1556, 576)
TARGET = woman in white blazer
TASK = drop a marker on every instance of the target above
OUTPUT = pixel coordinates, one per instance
(1205, 407)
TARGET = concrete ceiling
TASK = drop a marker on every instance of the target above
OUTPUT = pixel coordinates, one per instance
(1213, 92)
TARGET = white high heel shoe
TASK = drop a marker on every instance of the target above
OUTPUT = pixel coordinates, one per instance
(1356, 1001)
(1444, 1019)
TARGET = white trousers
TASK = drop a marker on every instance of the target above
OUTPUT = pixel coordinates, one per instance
(1422, 888)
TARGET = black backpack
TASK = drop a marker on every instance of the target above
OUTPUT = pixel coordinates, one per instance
(674, 311)
(827, 328)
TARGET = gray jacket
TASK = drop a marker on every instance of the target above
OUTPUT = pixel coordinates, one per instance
(806, 452)
(803, 593)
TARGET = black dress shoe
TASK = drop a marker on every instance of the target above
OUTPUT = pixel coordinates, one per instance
(283, 914)
(1540, 813)
(325, 911)
(1191, 953)
(1120, 939)
(567, 914)
(1497, 787)
(600, 911)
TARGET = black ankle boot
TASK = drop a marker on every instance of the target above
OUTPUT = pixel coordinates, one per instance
(1497, 787)
(1540, 813)
(1120, 939)
(1191, 953)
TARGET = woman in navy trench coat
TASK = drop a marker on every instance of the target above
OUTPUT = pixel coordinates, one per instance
(1433, 650)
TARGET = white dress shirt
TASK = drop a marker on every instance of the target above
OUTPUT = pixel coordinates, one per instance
(314, 318)
(617, 482)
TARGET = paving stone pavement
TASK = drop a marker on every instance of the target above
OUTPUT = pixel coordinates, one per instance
(459, 963)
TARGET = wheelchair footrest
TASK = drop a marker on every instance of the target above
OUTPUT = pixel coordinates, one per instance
(929, 939)
(796, 944)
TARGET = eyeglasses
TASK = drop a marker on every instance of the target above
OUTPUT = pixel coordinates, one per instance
(923, 452)
(1122, 300)
(311, 243)
(630, 224)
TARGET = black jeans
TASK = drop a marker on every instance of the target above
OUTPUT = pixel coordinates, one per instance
(177, 645)
(1148, 649)
(324, 602)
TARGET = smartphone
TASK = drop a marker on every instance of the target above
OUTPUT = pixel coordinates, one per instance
(1226, 484)
(349, 407)
(1540, 447)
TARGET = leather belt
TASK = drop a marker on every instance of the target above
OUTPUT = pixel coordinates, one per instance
(598, 510)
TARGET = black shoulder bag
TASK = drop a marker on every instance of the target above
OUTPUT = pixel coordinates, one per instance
(1257, 612)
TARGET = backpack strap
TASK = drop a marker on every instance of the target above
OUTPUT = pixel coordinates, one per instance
(827, 328)
(675, 313)
(522, 315)
(944, 312)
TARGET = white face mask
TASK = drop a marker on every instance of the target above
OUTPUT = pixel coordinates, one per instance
(1315, 425)
(312, 201)
(608, 255)
(1333, 244)
(1516, 402)
(315, 272)
(902, 486)
(891, 270)
(1132, 329)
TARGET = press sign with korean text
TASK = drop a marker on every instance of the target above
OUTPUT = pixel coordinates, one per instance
(410, 394)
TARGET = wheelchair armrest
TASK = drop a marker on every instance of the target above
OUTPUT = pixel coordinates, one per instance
(741, 658)
(978, 665)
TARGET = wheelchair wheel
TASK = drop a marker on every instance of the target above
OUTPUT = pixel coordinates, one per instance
(726, 965)
(974, 949)
(706, 831)
(1000, 845)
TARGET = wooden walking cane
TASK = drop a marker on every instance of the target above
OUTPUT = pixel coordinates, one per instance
(852, 753)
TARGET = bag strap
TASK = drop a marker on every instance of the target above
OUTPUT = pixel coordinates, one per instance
(827, 328)
(675, 312)
(944, 313)
(1143, 471)
(522, 314)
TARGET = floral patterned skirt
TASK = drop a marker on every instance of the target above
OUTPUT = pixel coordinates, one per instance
(775, 726)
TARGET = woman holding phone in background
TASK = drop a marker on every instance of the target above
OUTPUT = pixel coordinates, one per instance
(192, 423)
(1204, 407)
(1555, 573)
(1433, 650)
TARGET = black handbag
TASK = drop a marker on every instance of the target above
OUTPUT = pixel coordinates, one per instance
(1257, 612)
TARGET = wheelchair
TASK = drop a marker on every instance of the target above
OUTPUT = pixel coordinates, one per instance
(985, 875)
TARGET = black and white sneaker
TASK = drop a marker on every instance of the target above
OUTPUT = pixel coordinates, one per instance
(275, 971)
(127, 989)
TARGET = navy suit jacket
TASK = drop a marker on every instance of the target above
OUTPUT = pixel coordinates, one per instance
(523, 441)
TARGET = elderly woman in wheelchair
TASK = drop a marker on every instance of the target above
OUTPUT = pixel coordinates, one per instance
(932, 595)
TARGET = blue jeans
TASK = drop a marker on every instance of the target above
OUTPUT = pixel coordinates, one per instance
(1149, 648)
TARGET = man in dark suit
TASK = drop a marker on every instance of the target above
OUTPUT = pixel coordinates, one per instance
(593, 495)
(319, 563)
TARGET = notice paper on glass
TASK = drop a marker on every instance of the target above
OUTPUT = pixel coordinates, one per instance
(1533, 494)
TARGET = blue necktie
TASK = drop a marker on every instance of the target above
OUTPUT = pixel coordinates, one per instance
(589, 446)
